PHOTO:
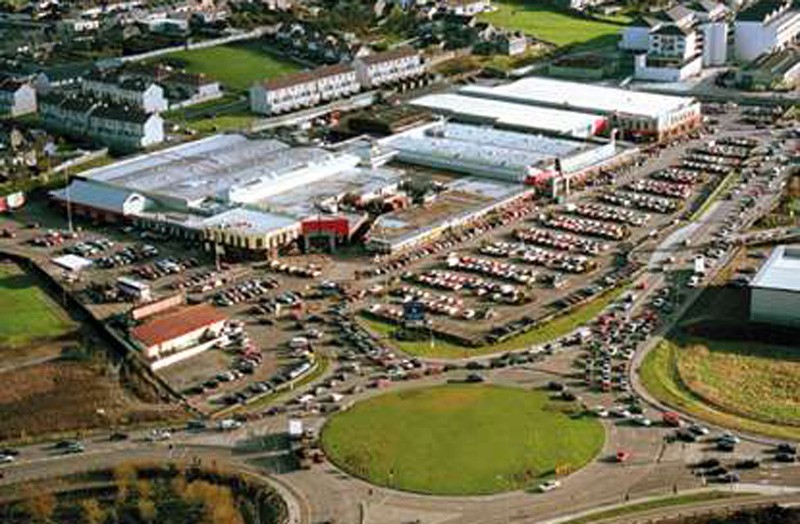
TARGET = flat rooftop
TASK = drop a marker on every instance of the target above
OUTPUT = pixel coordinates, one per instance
(483, 145)
(511, 114)
(464, 196)
(208, 167)
(577, 96)
(781, 271)
(301, 201)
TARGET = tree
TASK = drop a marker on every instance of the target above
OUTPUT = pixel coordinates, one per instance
(92, 512)
(41, 506)
(147, 510)
(124, 478)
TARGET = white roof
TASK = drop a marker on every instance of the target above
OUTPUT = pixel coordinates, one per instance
(781, 271)
(578, 96)
(72, 262)
(510, 113)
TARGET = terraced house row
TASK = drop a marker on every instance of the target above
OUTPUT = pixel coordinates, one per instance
(324, 84)
(118, 126)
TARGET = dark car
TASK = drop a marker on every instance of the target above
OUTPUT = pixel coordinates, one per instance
(118, 437)
(569, 396)
(708, 463)
(9, 452)
(555, 386)
(785, 457)
(726, 445)
(785, 447)
(747, 464)
(474, 378)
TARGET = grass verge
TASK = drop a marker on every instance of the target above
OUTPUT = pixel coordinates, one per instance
(660, 375)
(667, 502)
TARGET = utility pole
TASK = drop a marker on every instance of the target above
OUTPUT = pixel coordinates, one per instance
(69, 204)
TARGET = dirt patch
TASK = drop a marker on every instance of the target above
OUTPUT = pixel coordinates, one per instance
(63, 396)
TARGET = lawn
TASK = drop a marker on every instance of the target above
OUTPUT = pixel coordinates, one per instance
(460, 439)
(28, 314)
(552, 22)
(546, 332)
(747, 386)
(237, 66)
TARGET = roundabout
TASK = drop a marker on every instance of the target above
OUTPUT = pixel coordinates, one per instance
(462, 439)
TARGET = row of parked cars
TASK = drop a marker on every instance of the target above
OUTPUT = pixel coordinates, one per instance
(127, 256)
(511, 213)
(477, 286)
(607, 213)
(583, 226)
(541, 257)
(640, 201)
(560, 241)
(246, 291)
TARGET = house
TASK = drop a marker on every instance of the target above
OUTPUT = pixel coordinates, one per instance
(765, 27)
(389, 67)
(181, 89)
(512, 44)
(672, 55)
(779, 70)
(145, 95)
(116, 125)
(467, 7)
(304, 89)
(17, 97)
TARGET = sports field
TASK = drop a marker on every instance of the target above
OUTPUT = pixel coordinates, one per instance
(28, 314)
(552, 22)
(742, 385)
(237, 66)
(460, 439)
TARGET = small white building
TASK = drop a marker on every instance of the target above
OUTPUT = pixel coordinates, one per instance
(775, 290)
(389, 67)
(17, 97)
(304, 89)
(765, 27)
(468, 7)
(672, 55)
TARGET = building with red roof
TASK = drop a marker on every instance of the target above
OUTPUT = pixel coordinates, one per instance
(181, 329)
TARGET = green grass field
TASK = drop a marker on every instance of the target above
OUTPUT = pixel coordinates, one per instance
(546, 332)
(460, 439)
(237, 66)
(743, 386)
(552, 22)
(28, 314)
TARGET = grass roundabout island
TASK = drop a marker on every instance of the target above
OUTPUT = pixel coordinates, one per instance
(461, 439)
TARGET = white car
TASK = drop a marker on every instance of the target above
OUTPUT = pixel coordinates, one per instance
(6, 459)
(159, 434)
(694, 281)
(601, 412)
(550, 485)
(643, 421)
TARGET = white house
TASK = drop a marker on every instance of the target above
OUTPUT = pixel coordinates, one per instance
(389, 67)
(765, 27)
(115, 125)
(17, 97)
(468, 7)
(145, 95)
(672, 55)
(303, 89)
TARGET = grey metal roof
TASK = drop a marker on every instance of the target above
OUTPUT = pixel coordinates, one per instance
(781, 271)
(98, 196)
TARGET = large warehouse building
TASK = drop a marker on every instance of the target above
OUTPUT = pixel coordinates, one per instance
(512, 115)
(487, 152)
(237, 193)
(637, 115)
(775, 290)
